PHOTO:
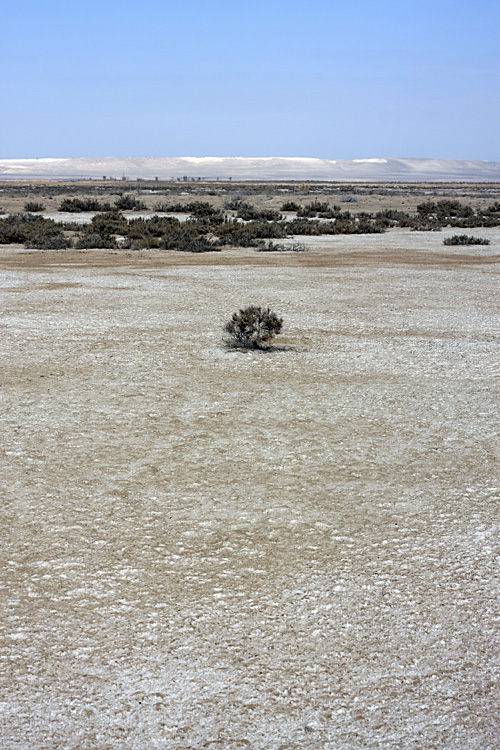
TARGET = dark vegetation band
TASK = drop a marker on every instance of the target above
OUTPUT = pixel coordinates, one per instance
(237, 224)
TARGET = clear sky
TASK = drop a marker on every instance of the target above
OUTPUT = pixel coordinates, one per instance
(333, 79)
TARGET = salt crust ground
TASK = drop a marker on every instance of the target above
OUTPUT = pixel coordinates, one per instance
(294, 549)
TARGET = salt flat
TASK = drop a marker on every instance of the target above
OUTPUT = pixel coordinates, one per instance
(246, 168)
(287, 549)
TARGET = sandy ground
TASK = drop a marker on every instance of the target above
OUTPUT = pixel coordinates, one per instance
(206, 548)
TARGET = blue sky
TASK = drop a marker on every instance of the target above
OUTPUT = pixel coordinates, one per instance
(330, 79)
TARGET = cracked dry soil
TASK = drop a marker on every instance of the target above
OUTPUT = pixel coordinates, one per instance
(206, 548)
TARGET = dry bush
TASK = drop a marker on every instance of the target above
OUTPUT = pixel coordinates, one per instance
(281, 247)
(129, 203)
(82, 205)
(34, 207)
(465, 239)
(252, 328)
(34, 231)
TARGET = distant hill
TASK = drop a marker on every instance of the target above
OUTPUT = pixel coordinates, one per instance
(241, 168)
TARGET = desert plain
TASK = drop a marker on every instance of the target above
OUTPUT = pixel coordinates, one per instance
(212, 548)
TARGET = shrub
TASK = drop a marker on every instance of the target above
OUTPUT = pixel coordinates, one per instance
(30, 229)
(465, 239)
(247, 235)
(290, 206)
(108, 223)
(161, 207)
(51, 242)
(313, 209)
(252, 214)
(280, 247)
(79, 205)
(34, 207)
(252, 327)
(129, 203)
(91, 240)
(237, 204)
(199, 209)
(187, 241)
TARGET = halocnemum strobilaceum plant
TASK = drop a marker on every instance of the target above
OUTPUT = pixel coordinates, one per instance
(252, 328)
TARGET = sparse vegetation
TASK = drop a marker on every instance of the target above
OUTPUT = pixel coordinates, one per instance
(252, 328)
(281, 247)
(249, 218)
(465, 239)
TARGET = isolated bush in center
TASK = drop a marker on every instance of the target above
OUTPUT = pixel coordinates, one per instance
(252, 327)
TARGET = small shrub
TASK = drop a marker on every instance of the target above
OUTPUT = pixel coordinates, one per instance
(201, 209)
(53, 242)
(465, 239)
(129, 203)
(252, 214)
(28, 229)
(93, 240)
(161, 207)
(280, 247)
(109, 223)
(185, 241)
(237, 204)
(80, 205)
(34, 207)
(290, 206)
(252, 328)
(236, 234)
(313, 209)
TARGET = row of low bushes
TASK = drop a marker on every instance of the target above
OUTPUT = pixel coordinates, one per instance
(429, 216)
(195, 208)
(80, 205)
(32, 231)
(465, 239)
(209, 230)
